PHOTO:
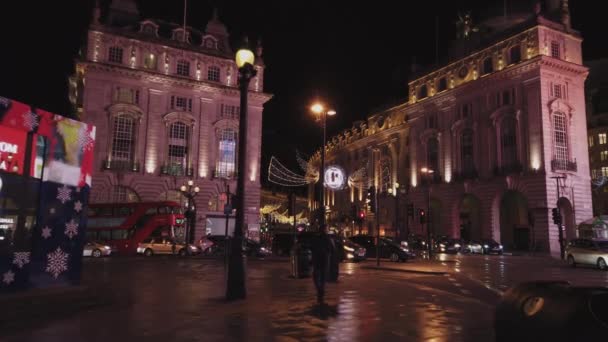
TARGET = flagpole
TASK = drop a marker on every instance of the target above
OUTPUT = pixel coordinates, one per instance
(185, 11)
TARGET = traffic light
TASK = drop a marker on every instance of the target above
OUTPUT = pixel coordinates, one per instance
(371, 198)
(422, 215)
(557, 217)
(361, 216)
(410, 210)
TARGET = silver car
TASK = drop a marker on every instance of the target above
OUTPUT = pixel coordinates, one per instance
(588, 252)
(96, 249)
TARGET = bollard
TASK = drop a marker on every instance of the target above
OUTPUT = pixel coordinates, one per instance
(551, 311)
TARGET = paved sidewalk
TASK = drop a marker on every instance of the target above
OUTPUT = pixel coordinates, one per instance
(183, 301)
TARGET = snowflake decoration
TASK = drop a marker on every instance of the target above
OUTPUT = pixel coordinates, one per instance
(77, 206)
(4, 101)
(29, 120)
(21, 258)
(57, 262)
(46, 232)
(85, 140)
(64, 194)
(71, 229)
(8, 277)
(52, 211)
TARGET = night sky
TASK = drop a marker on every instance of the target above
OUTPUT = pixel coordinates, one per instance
(354, 56)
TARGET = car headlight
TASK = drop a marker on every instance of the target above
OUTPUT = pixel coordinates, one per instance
(350, 256)
(441, 245)
(423, 243)
(107, 247)
(457, 245)
(193, 248)
(405, 249)
(500, 246)
(263, 249)
(350, 249)
(485, 246)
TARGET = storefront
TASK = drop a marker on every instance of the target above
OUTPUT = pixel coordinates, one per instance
(45, 166)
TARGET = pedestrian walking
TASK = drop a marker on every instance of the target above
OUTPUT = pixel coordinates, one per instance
(334, 260)
(322, 249)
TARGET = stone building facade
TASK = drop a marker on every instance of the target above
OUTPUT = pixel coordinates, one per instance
(166, 103)
(495, 124)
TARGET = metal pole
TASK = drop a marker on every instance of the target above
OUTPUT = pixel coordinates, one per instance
(227, 220)
(428, 218)
(322, 173)
(377, 226)
(235, 288)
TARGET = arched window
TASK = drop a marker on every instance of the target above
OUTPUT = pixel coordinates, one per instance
(488, 67)
(123, 141)
(115, 54)
(509, 142)
(213, 73)
(466, 147)
(226, 160)
(177, 152)
(183, 67)
(560, 139)
(422, 92)
(150, 61)
(515, 55)
(433, 155)
(443, 84)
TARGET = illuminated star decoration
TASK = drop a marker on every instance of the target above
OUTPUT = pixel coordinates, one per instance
(71, 229)
(77, 206)
(57, 262)
(8, 277)
(52, 211)
(46, 232)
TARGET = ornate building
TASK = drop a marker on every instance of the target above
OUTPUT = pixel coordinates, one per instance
(166, 103)
(495, 124)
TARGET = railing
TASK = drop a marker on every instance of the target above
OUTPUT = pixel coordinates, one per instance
(225, 174)
(563, 165)
(176, 170)
(121, 165)
(468, 174)
(508, 169)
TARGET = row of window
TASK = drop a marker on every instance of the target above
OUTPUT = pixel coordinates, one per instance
(182, 66)
(601, 139)
(177, 158)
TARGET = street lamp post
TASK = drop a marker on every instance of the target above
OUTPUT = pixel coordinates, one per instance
(235, 287)
(190, 191)
(322, 112)
(429, 173)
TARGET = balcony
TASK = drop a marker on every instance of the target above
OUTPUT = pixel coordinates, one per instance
(176, 170)
(468, 174)
(508, 169)
(563, 165)
(224, 174)
(121, 165)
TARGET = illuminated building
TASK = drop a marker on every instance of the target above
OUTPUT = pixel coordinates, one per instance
(494, 123)
(166, 102)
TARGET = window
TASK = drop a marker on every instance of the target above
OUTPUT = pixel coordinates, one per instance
(443, 84)
(213, 73)
(466, 110)
(515, 55)
(150, 61)
(488, 67)
(509, 142)
(466, 145)
(115, 54)
(123, 138)
(226, 161)
(555, 49)
(431, 121)
(181, 103)
(602, 138)
(604, 155)
(590, 138)
(210, 43)
(177, 157)
(385, 173)
(507, 98)
(229, 111)
(433, 154)
(126, 95)
(124, 194)
(422, 92)
(605, 171)
(183, 68)
(557, 91)
(560, 137)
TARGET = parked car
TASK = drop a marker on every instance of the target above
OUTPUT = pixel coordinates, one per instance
(387, 248)
(446, 244)
(588, 252)
(253, 248)
(484, 246)
(348, 250)
(416, 243)
(96, 249)
(473, 247)
(157, 245)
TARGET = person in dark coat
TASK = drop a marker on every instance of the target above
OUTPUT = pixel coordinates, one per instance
(322, 249)
(334, 260)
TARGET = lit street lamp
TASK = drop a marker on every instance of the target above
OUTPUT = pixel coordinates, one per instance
(190, 191)
(429, 174)
(322, 114)
(235, 284)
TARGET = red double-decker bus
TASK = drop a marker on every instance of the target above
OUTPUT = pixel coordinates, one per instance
(124, 225)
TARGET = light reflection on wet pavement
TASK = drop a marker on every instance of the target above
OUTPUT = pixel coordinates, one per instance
(181, 300)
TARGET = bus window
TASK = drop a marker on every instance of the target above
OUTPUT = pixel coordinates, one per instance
(124, 211)
(177, 210)
(151, 211)
(105, 235)
(119, 234)
(105, 211)
(92, 212)
(164, 210)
